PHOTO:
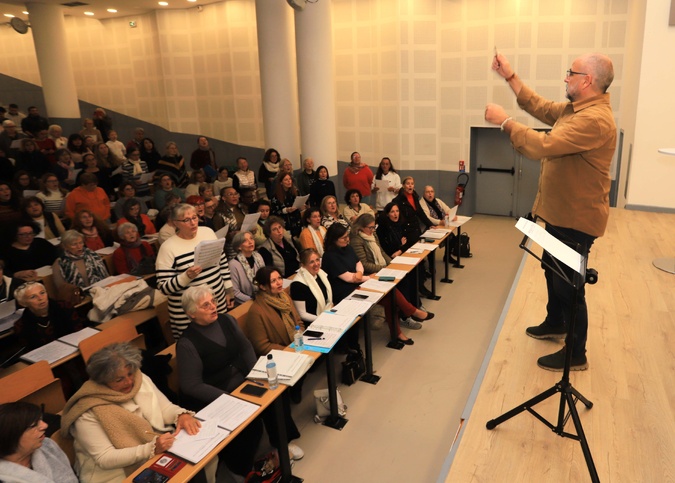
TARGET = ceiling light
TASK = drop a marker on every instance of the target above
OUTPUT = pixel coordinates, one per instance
(164, 4)
(112, 10)
(91, 14)
(9, 15)
(192, 1)
(24, 12)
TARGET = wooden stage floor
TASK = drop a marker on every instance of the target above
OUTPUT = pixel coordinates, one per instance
(631, 378)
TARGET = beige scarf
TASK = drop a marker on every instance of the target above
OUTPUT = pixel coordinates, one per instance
(317, 237)
(283, 304)
(303, 276)
(374, 248)
(123, 428)
(138, 169)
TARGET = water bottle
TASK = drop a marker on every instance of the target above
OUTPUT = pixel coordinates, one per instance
(297, 339)
(447, 219)
(272, 372)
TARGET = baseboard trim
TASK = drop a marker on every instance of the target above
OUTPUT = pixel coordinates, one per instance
(654, 209)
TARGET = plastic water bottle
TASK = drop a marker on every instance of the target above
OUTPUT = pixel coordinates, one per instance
(297, 339)
(272, 372)
(447, 219)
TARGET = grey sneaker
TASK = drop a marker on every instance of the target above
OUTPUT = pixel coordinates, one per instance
(546, 331)
(411, 324)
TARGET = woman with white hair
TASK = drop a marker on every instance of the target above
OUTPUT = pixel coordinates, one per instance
(310, 291)
(79, 266)
(116, 416)
(176, 269)
(133, 254)
(244, 267)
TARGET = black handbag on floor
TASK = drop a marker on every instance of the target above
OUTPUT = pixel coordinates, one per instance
(464, 245)
(353, 367)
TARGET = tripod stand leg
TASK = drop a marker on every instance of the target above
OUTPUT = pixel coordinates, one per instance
(582, 436)
(522, 407)
(581, 398)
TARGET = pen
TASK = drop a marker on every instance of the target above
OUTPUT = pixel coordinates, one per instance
(257, 382)
(496, 54)
(152, 432)
(317, 338)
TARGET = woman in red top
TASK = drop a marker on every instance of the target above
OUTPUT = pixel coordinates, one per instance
(132, 250)
(132, 214)
(358, 176)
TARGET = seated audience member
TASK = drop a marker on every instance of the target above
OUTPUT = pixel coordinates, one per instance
(7, 284)
(78, 265)
(116, 416)
(133, 169)
(205, 190)
(89, 143)
(386, 171)
(354, 207)
(105, 158)
(248, 196)
(127, 191)
(22, 181)
(358, 176)
(45, 145)
(90, 165)
(132, 214)
(204, 158)
(210, 204)
(411, 210)
(263, 207)
(231, 213)
(33, 209)
(88, 196)
(51, 194)
(243, 177)
(116, 146)
(166, 187)
(367, 247)
(330, 213)
(278, 250)
(43, 320)
(55, 133)
(282, 202)
(103, 123)
(89, 129)
(223, 180)
(133, 255)
(30, 159)
(137, 137)
(149, 154)
(77, 148)
(244, 266)
(10, 204)
(433, 207)
(210, 339)
(167, 231)
(176, 270)
(394, 234)
(26, 453)
(96, 233)
(198, 203)
(164, 215)
(33, 122)
(197, 177)
(306, 177)
(313, 233)
(310, 291)
(173, 163)
(64, 167)
(285, 167)
(27, 253)
(8, 135)
(269, 169)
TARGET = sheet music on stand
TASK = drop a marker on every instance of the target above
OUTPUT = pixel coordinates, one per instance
(552, 245)
(208, 252)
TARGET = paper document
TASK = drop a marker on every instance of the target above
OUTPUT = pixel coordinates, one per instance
(300, 201)
(383, 184)
(51, 352)
(459, 221)
(366, 296)
(373, 284)
(55, 241)
(9, 315)
(351, 308)
(29, 193)
(435, 234)
(108, 250)
(117, 171)
(222, 233)
(145, 178)
(194, 448)
(75, 338)
(423, 246)
(406, 260)
(207, 253)
(291, 366)
(228, 412)
(250, 222)
(333, 326)
(551, 244)
(391, 272)
(453, 212)
(45, 271)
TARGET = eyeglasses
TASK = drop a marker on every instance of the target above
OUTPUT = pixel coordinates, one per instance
(570, 73)
(26, 234)
(188, 220)
(208, 305)
(370, 227)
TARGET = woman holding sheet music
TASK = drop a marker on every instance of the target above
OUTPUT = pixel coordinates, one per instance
(176, 269)
(118, 418)
(214, 357)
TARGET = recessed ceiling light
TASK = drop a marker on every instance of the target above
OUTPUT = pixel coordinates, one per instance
(24, 12)
(192, 1)
(112, 10)
(164, 4)
(91, 14)
(9, 15)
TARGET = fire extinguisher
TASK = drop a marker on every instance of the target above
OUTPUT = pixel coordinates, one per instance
(462, 181)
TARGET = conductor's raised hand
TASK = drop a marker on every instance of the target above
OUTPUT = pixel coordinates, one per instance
(501, 66)
(495, 114)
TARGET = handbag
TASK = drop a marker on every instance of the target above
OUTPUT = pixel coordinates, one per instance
(323, 405)
(464, 245)
(353, 367)
(146, 265)
(265, 470)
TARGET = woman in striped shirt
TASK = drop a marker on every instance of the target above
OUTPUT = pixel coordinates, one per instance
(176, 270)
(52, 195)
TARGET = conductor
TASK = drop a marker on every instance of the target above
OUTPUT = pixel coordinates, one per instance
(573, 194)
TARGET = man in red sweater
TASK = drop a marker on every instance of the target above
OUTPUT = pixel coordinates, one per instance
(358, 176)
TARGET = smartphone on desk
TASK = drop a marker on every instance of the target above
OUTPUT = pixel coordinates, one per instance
(150, 476)
(252, 390)
(312, 333)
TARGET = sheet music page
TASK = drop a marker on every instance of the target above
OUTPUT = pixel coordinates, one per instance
(75, 338)
(145, 178)
(459, 221)
(44, 271)
(378, 286)
(300, 201)
(194, 448)
(108, 250)
(551, 244)
(435, 234)
(422, 246)
(250, 221)
(406, 260)
(208, 252)
(51, 352)
(391, 272)
(366, 296)
(351, 308)
(228, 411)
(383, 184)
(222, 233)
(289, 364)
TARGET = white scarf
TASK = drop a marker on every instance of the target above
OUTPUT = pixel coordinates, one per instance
(374, 248)
(271, 167)
(303, 276)
(318, 241)
(138, 169)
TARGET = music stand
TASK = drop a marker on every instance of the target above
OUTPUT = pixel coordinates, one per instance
(568, 395)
